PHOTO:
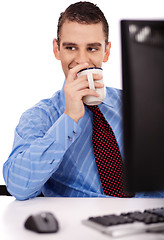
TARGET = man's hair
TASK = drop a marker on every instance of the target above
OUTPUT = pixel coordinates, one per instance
(83, 13)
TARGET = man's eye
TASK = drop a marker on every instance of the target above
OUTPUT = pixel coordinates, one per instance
(92, 49)
(71, 48)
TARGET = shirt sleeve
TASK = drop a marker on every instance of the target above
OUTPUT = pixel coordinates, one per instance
(38, 150)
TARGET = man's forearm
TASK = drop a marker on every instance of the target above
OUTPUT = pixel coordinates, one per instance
(30, 165)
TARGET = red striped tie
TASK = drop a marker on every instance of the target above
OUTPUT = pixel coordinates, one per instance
(107, 155)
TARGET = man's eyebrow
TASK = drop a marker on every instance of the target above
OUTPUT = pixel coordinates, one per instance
(68, 44)
(96, 44)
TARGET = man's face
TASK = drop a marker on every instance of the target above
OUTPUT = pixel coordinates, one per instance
(81, 43)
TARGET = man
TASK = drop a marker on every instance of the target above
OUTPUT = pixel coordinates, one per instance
(53, 151)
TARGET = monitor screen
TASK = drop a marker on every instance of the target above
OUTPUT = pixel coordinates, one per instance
(143, 103)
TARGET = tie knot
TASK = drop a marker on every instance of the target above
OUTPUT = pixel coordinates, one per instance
(94, 108)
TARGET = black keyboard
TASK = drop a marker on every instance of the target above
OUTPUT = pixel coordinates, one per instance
(150, 220)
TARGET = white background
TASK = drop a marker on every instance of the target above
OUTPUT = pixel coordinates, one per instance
(28, 70)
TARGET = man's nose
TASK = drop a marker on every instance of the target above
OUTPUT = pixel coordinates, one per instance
(82, 57)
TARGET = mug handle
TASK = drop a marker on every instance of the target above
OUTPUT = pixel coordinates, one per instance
(90, 81)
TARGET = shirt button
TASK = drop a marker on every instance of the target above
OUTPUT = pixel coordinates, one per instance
(75, 133)
(69, 138)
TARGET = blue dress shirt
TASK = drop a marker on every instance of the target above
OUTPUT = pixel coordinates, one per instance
(54, 155)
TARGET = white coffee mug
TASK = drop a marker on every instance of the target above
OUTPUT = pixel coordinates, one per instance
(92, 100)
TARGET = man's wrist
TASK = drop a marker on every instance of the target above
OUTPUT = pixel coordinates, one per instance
(74, 117)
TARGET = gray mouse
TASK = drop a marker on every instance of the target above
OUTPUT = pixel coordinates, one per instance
(44, 222)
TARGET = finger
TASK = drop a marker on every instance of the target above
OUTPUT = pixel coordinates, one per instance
(82, 82)
(72, 75)
(89, 92)
(98, 85)
(85, 85)
(97, 76)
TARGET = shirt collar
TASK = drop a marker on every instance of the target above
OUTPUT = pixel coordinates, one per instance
(108, 100)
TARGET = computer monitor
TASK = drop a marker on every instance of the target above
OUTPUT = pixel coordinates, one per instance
(143, 103)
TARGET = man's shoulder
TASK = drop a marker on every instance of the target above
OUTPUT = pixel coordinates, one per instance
(113, 95)
(50, 102)
(114, 91)
(47, 107)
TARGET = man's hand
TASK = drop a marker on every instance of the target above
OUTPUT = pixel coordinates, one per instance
(75, 89)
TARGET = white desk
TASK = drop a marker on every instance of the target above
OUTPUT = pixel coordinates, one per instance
(69, 213)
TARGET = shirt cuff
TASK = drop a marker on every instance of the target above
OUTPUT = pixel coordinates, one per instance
(64, 131)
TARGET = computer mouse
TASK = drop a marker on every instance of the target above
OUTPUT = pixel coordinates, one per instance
(44, 222)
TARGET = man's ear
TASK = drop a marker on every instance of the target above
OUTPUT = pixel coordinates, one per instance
(56, 49)
(107, 52)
